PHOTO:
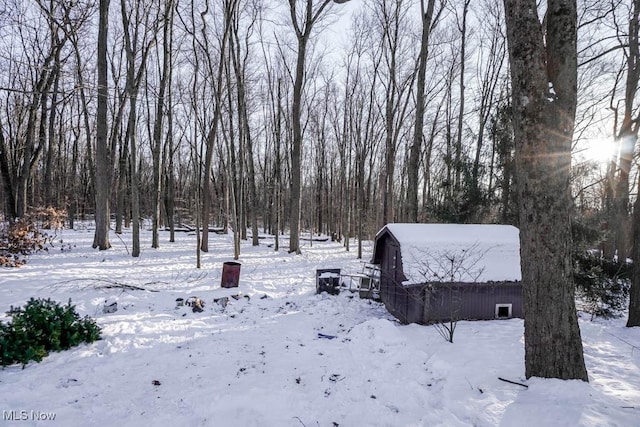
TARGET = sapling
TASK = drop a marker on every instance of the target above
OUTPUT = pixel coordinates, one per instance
(445, 270)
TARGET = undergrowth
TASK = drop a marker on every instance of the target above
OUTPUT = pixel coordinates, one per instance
(602, 286)
(40, 327)
(25, 236)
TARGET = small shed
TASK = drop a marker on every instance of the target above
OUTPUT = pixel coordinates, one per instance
(438, 272)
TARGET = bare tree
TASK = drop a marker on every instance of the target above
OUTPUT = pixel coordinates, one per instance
(365, 120)
(136, 43)
(31, 80)
(396, 80)
(428, 23)
(462, 28)
(490, 79)
(626, 127)
(229, 9)
(303, 20)
(627, 137)
(75, 36)
(103, 173)
(157, 140)
(544, 75)
(5, 173)
(302, 26)
(240, 60)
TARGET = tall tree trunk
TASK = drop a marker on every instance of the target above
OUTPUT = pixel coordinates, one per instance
(634, 292)
(296, 148)
(73, 184)
(302, 32)
(31, 153)
(85, 108)
(230, 7)
(630, 132)
(170, 199)
(251, 178)
(50, 193)
(135, 188)
(544, 80)
(458, 145)
(157, 127)
(278, 168)
(133, 80)
(243, 121)
(7, 180)
(418, 130)
(103, 161)
(390, 151)
(123, 174)
(231, 167)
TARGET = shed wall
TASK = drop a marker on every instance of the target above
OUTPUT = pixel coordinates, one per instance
(405, 303)
(471, 301)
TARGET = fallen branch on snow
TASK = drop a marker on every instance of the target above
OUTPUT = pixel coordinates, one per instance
(106, 284)
(298, 418)
(633, 347)
(513, 382)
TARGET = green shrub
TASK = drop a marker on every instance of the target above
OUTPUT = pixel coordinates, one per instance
(40, 327)
(602, 285)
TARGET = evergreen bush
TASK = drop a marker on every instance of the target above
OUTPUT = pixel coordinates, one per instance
(602, 285)
(40, 327)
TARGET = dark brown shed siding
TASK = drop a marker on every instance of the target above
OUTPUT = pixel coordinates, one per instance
(386, 254)
(405, 303)
(471, 301)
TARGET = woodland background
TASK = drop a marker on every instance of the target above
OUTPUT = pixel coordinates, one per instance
(233, 112)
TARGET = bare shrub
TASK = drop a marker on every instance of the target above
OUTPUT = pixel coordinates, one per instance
(444, 269)
(25, 236)
(48, 218)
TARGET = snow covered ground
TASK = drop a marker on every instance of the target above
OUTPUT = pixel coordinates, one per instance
(269, 359)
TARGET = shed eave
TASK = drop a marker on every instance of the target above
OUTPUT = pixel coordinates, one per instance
(413, 284)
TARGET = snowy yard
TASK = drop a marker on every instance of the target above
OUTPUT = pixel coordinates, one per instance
(270, 358)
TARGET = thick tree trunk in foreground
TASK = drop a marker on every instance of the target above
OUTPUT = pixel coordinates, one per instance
(630, 133)
(634, 293)
(544, 102)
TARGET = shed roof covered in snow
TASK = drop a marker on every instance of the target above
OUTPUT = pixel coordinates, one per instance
(454, 252)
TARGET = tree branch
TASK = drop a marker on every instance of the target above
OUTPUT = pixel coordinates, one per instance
(603, 53)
